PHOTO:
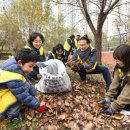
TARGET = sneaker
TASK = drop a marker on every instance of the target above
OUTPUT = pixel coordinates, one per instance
(20, 117)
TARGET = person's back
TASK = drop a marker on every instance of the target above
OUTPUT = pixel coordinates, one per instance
(70, 45)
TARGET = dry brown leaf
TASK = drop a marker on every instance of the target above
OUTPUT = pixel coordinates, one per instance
(52, 127)
(81, 111)
(89, 117)
(29, 117)
(118, 116)
(128, 121)
(76, 116)
(62, 116)
(93, 89)
(38, 115)
(89, 126)
(49, 106)
(73, 126)
(67, 103)
(28, 123)
(59, 102)
(125, 118)
(4, 122)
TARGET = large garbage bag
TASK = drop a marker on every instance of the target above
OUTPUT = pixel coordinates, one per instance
(54, 78)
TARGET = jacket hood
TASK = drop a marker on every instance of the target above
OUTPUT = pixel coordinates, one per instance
(12, 65)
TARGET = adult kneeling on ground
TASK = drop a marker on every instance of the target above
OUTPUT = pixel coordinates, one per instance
(85, 59)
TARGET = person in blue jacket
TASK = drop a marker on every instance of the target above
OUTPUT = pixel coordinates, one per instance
(35, 42)
(86, 55)
(15, 88)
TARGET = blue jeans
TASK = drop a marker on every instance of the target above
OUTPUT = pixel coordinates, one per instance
(98, 70)
(13, 111)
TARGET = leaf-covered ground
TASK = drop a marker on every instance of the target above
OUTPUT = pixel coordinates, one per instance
(75, 110)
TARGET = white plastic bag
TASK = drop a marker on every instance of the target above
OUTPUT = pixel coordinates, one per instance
(54, 78)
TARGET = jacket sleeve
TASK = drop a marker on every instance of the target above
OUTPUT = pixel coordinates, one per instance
(123, 99)
(92, 60)
(50, 56)
(44, 57)
(74, 57)
(64, 59)
(113, 87)
(67, 53)
(32, 91)
(21, 92)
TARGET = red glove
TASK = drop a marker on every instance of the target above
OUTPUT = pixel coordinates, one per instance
(42, 109)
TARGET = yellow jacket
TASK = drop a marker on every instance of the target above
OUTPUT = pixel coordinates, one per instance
(6, 97)
(68, 47)
(41, 50)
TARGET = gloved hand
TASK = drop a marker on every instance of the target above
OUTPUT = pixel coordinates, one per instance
(110, 111)
(42, 108)
(106, 103)
(80, 66)
(40, 65)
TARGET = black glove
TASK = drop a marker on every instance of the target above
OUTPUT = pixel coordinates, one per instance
(106, 103)
(80, 66)
(110, 111)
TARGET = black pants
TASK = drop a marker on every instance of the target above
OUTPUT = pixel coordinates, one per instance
(98, 70)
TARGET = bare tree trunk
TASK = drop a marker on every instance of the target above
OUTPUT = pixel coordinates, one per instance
(98, 46)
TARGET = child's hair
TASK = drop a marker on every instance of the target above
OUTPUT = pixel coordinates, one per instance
(85, 38)
(122, 53)
(33, 36)
(26, 55)
(59, 47)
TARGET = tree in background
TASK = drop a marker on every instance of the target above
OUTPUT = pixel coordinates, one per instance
(100, 9)
(26, 16)
(104, 7)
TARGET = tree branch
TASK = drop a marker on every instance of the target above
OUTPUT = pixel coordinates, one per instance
(111, 7)
(87, 16)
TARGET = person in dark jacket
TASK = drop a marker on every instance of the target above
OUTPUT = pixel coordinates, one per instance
(87, 58)
(15, 88)
(57, 53)
(35, 42)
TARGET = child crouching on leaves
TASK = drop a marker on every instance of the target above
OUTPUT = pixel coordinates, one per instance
(15, 88)
(118, 95)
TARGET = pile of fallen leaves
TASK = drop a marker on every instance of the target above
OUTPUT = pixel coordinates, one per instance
(75, 110)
